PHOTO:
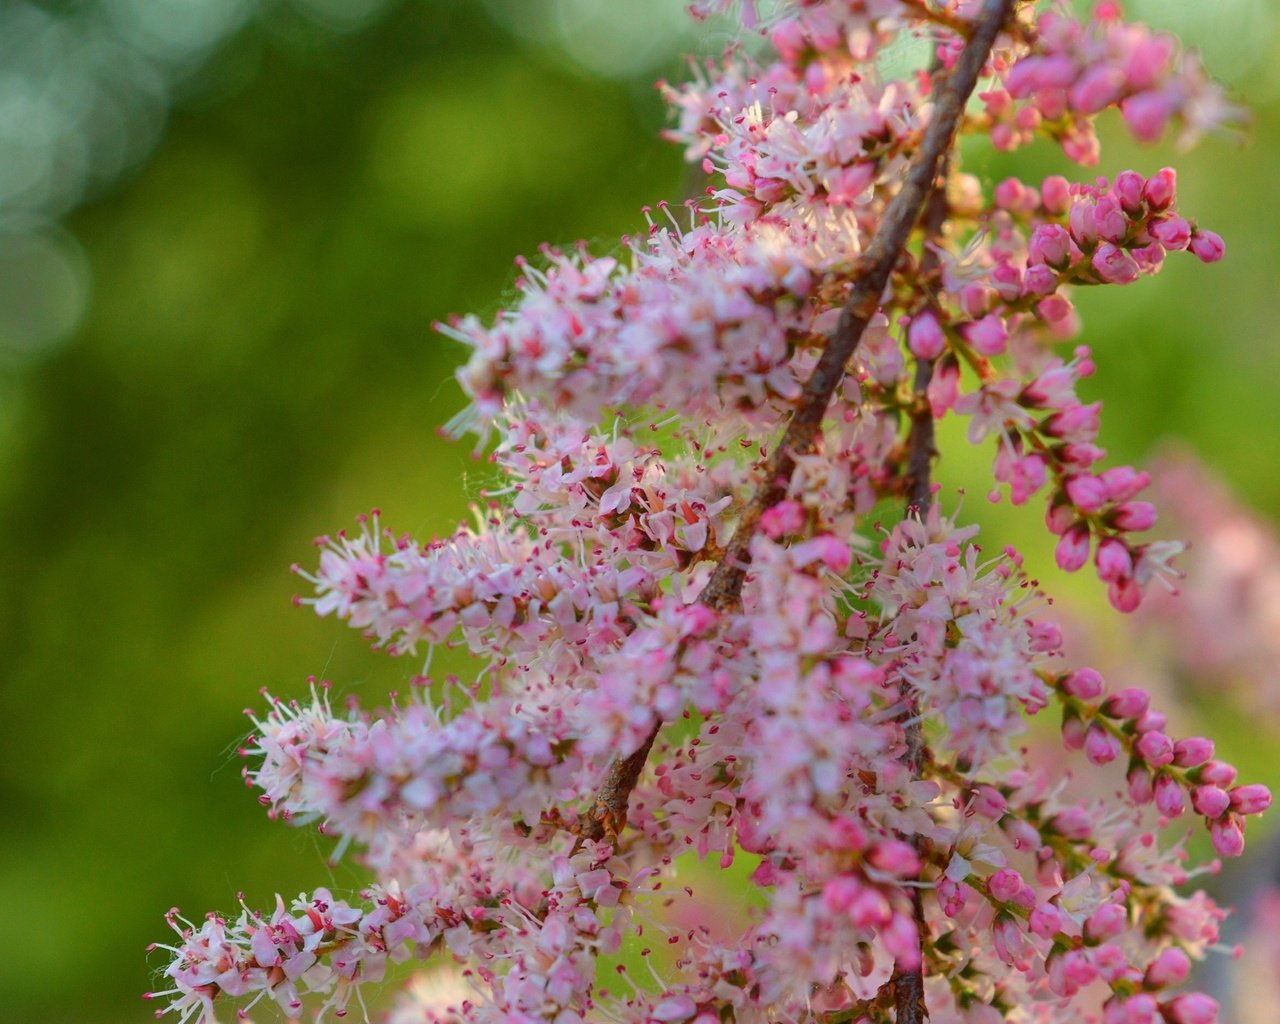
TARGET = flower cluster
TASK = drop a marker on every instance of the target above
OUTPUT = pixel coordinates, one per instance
(697, 640)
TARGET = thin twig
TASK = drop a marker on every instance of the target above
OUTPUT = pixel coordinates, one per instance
(723, 591)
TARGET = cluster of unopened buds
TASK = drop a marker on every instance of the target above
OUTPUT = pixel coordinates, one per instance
(699, 643)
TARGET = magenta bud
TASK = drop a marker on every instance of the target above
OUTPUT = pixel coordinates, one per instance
(1046, 920)
(1083, 684)
(1115, 265)
(1161, 189)
(1216, 773)
(1169, 797)
(1072, 733)
(1251, 799)
(1100, 747)
(1227, 836)
(1140, 789)
(1128, 189)
(1088, 493)
(1109, 220)
(1005, 884)
(1134, 515)
(1049, 243)
(1108, 921)
(924, 337)
(1055, 194)
(1211, 801)
(1131, 702)
(1113, 560)
(1172, 232)
(895, 857)
(1152, 721)
(988, 335)
(1171, 967)
(1155, 748)
(1208, 246)
(1192, 751)
(1072, 550)
(1059, 517)
(1192, 1008)
(1123, 482)
(1039, 280)
(1125, 594)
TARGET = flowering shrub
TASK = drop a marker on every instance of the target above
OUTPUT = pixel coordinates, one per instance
(698, 640)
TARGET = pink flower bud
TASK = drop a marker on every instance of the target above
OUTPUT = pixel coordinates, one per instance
(1251, 799)
(1141, 1009)
(1083, 684)
(987, 335)
(944, 388)
(1123, 482)
(1099, 87)
(1108, 921)
(1072, 822)
(1139, 782)
(1131, 702)
(1146, 114)
(1072, 550)
(1072, 733)
(895, 857)
(1059, 516)
(1049, 243)
(1227, 836)
(1100, 747)
(1005, 884)
(1109, 220)
(975, 300)
(1208, 246)
(1192, 1008)
(1155, 748)
(924, 337)
(1152, 721)
(1056, 309)
(1055, 194)
(1192, 751)
(1039, 280)
(1217, 773)
(1211, 801)
(1080, 220)
(1113, 560)
(1046, 920)
(1125, 594)
(1169, 797)
(1114, 265)
(1170, 968)
(1161, 189)
(1128, 189)
(1134, 515)
(1087, 493)
(1010, 194)
(1172, 232)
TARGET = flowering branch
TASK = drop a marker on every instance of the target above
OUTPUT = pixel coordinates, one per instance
(854, 715)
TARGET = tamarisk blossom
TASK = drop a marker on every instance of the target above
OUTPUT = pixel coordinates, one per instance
(697, 639)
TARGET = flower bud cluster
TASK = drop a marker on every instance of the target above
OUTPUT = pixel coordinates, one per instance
(1170, 774)
(1077, 69)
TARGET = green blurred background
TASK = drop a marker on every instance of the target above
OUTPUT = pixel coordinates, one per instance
(217, 276)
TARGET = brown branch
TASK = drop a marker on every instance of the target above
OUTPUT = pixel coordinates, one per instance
(723, 591)
(908, 988)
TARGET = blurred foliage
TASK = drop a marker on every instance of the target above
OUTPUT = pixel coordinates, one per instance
(256, 367)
